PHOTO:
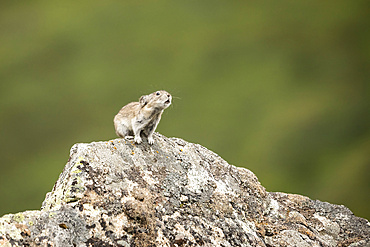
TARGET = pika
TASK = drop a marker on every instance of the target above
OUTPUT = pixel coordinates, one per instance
(143, 116)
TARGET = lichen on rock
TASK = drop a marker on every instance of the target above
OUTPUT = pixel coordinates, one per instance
(173, 193)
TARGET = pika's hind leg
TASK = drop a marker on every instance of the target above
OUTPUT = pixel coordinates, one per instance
(137, 127)
(122, 130)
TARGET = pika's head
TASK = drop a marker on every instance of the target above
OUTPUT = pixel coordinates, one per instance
(160, 100)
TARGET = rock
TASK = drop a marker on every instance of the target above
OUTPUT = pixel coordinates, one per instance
(173, 193)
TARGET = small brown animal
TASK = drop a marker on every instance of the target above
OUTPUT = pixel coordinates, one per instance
(142, 116)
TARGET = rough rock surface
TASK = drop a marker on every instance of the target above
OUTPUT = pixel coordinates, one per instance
(173, 193)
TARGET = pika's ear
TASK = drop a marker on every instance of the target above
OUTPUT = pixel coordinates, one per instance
(143, 100)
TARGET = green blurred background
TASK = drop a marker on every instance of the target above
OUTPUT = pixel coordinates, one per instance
(278, 87)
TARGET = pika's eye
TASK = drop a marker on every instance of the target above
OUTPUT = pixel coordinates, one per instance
(158, 93)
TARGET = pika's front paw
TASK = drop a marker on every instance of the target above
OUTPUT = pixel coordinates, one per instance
(150, 140)
(138, 139)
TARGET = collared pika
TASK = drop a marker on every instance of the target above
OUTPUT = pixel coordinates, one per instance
(142, 116)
